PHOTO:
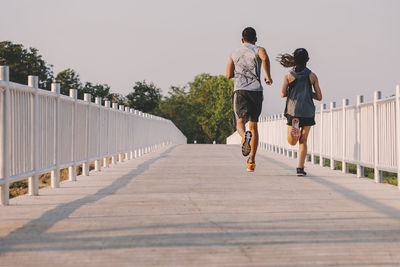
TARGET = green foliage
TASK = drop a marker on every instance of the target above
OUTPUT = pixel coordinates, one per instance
(19, 184)
(24, 62)
(68, 79)
(96, 90)
(205, 112)
(176, 108)
(118, 98)
(211, 99)
(145, 97)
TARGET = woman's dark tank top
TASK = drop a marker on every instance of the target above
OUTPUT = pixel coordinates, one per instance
(299, 101)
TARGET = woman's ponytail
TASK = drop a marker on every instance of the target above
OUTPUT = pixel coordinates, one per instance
(298, 59)
(286, 60)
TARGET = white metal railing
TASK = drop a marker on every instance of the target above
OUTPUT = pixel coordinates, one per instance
(366, 134)
(43, 131)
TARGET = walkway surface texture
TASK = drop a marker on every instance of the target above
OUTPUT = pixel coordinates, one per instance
(195, 205)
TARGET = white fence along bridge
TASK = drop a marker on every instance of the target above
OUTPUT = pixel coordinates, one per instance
(365, 134)
(43, 131)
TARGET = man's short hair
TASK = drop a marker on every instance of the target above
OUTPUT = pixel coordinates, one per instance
(249, 34)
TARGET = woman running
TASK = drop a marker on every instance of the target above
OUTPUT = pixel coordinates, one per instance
(298, 87)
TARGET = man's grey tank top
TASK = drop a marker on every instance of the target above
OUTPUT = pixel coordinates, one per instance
(247, 68)
(299, 98)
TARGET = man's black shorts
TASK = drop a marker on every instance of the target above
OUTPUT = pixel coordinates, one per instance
(247, 104)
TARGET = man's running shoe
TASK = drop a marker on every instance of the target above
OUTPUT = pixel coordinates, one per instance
(251, 166)
(246, 148)
(301, 172)
(296, 127)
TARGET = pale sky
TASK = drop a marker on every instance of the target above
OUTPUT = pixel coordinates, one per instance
(353, 44)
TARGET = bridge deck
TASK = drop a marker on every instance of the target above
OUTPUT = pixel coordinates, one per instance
(195, 205)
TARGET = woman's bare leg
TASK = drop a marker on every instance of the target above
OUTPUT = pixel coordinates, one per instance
(292, 140)
(303, 145)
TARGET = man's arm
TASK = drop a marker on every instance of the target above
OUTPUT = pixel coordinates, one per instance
(230, 69)
(266, 65)
(314, 81)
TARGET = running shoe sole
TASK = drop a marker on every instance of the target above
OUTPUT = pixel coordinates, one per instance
(246, 148)
(296, 128)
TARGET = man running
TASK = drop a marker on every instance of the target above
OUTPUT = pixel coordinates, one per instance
(245, 66)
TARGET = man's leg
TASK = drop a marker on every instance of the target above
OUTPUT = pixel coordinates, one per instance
(254, 141)
(241, 126)
(303, 145)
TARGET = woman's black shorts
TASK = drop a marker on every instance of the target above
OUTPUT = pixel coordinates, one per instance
(302, 121)
(247, 104)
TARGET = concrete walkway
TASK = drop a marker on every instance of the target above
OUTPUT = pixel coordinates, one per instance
(195, 205)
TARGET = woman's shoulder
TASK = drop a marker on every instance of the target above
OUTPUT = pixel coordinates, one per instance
(289, 76)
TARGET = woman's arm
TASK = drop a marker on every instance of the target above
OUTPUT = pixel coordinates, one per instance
(314, 81)
(285, 86)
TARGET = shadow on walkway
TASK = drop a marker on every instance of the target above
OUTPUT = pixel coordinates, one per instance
(34, 229)
(347, 193)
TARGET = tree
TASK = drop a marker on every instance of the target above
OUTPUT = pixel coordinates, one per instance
(176, 108)
(145, 97)
(68, 79)
(24, 62)
(118, 98)
(205, 112)
(96, 90)
(210, 98)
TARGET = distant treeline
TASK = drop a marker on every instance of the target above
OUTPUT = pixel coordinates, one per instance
(202, 109)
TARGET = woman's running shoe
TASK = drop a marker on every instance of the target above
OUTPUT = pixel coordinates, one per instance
(301, 172)
(246, 148)
(296, 127)
(251, 166)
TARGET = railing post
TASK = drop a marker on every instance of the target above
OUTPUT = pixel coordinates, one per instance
(269, 134)
(114, 157)
(137, 151)
(333, 162)
(126, 133)
(5, 136)
(276, 146)
(312, 142)
(121, 154)
(85, 165)
(321, 143)
(73, 93)
(55, 174)
(33, 181)
(398, 132)
(141, 151)
(360, 169)
(345, 166)
(106, 160)
(97, 162)
(377, 173)
(131, 152)
(282, 149)
(313, 161)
